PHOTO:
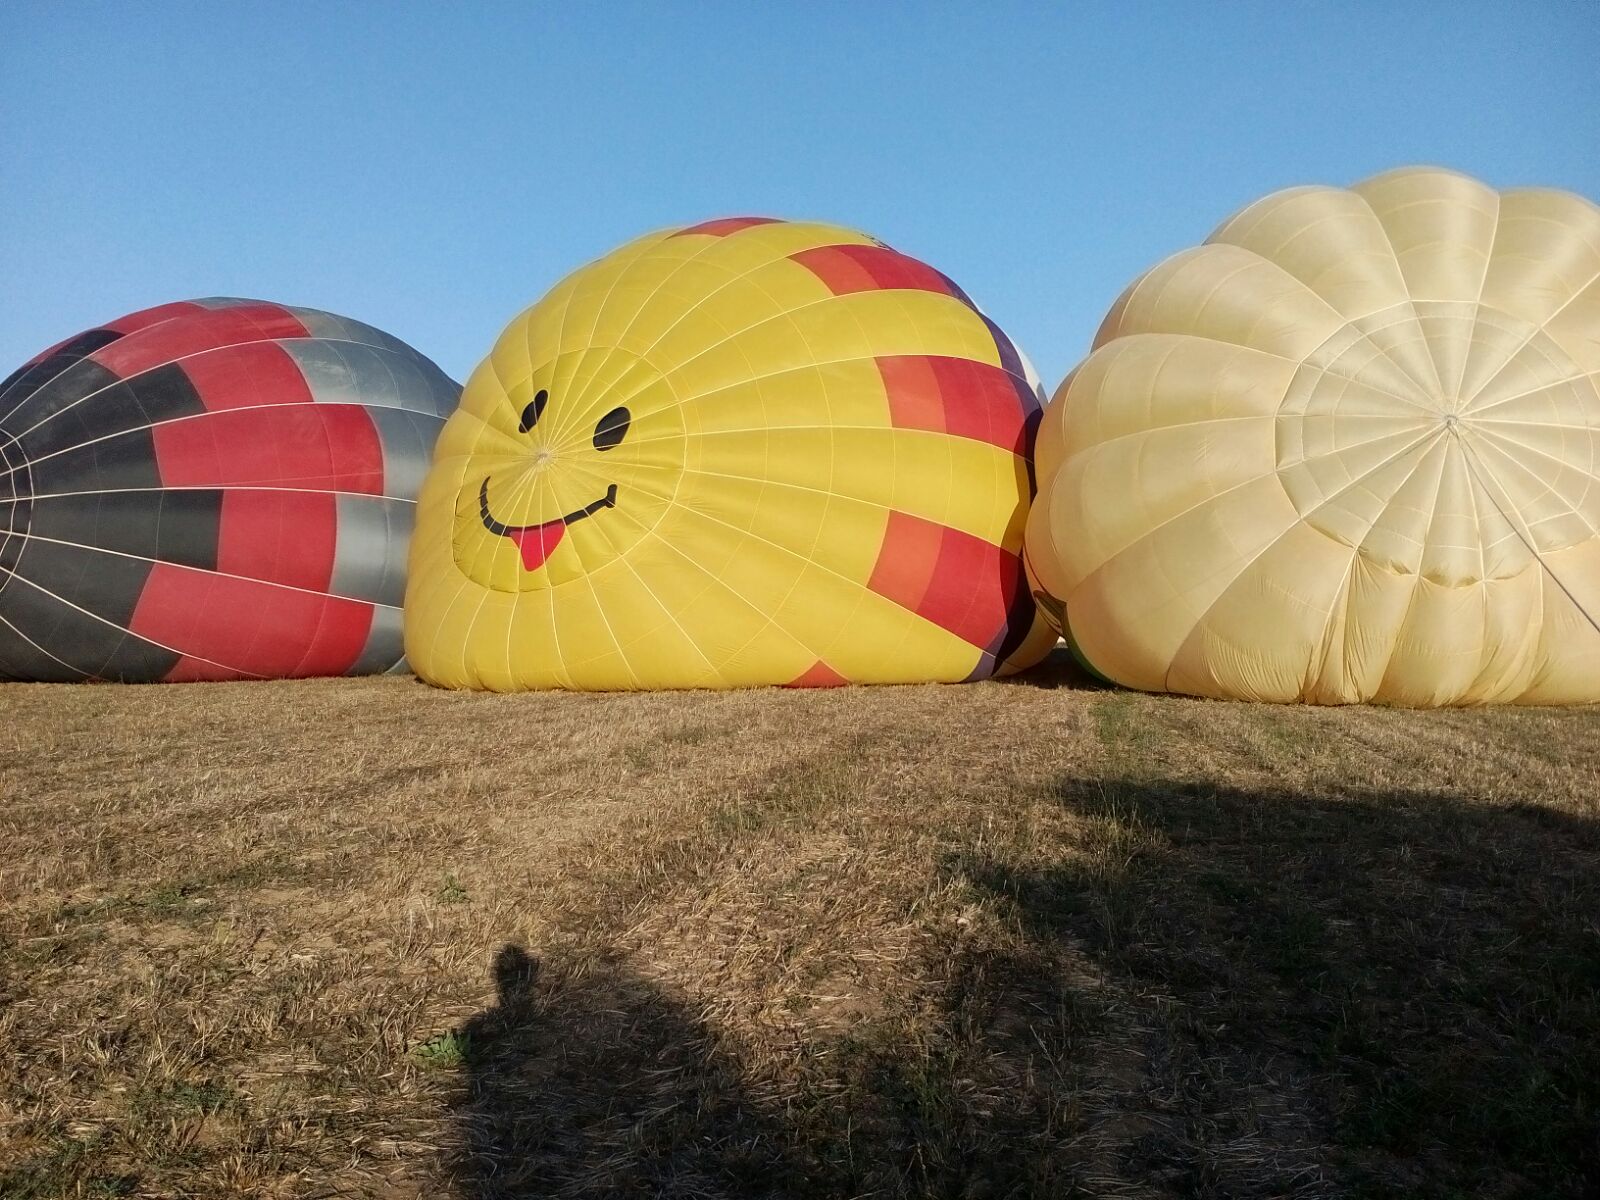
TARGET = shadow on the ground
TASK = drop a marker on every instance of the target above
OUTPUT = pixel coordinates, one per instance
(1223, 992)
(1058, 670)
(596, 1084)
(1406, 984)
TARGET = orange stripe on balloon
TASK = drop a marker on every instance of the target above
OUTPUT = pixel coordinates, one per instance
(906, 559)
(916, 401)
(726, 225)
(818, 675)
(955, 580)
(847, 269)
(957, 396)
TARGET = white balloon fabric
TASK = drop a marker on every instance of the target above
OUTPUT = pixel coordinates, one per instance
(1348, 450)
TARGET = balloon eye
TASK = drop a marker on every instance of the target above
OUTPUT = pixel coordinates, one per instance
(534, 410)
(611, 429)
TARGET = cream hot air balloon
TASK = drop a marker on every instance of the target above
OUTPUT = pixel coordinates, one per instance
(1347, 450)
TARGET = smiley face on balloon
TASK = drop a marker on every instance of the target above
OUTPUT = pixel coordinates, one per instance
(746, 452)
(536, 541)
(563, 471)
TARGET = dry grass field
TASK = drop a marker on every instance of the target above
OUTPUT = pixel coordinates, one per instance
(1027, 938)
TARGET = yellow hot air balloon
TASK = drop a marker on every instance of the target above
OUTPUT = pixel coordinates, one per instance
(743, 452)
(1347, 450)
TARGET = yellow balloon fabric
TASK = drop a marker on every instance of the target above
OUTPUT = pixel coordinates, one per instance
(1347, 450)
(739, 453)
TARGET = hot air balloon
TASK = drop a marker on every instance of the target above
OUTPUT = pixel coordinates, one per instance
(1347, 450)
(743, 452)
(212, 489)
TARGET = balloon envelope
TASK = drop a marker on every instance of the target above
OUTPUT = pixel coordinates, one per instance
(212, 489)
(744, 452)
(1347, 450)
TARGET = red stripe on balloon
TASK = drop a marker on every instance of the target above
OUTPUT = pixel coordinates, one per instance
(972, 589)
(202, 329)
(847, 269)
(247, 375)
(906, 560)
(123, 326)
(317, 447)
(956, 396)
(247, 627)
(279, 537)
(916, 399)
(197, 670)
(959, 582)
(147, 317)
(726, 225)
(818, 675)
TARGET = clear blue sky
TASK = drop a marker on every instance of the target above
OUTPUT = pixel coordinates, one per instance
(432, 169)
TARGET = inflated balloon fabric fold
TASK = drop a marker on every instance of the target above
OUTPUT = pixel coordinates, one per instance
(1347, 450)
(744, 452)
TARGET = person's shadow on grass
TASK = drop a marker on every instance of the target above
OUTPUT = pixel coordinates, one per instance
(593, 1083)
(1385, 993)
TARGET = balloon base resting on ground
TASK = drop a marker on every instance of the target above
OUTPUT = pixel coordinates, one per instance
(212, 489)
(745, 452)
(1347, 450)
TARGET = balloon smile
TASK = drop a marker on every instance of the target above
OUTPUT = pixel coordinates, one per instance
(537, 542)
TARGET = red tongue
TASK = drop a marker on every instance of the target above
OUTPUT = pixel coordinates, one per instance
(536, 542)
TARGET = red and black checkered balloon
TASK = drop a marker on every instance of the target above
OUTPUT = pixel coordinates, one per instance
(212, 489)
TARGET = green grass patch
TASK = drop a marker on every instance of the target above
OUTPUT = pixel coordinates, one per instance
(68, 1167)
(444, 1051)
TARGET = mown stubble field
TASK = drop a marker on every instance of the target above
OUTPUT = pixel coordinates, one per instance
(1026, 938)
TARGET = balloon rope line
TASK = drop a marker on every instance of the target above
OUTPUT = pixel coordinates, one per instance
(1527, 540)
